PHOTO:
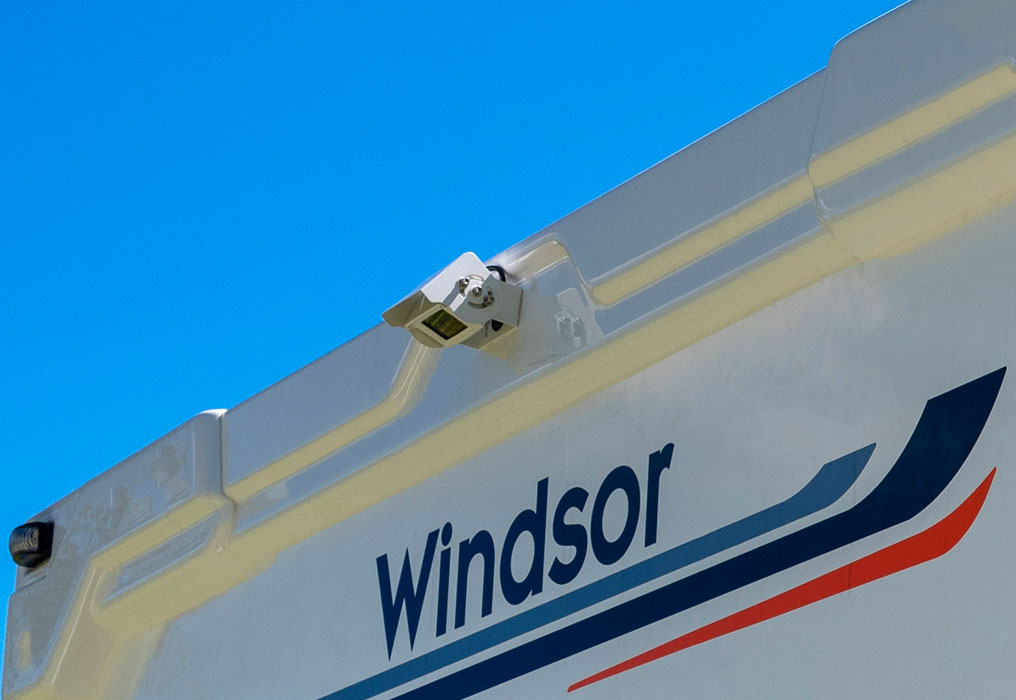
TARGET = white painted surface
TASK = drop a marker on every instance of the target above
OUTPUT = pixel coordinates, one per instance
(789, 289)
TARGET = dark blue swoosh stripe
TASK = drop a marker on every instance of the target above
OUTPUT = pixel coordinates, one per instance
(946, 432)
(831, 482)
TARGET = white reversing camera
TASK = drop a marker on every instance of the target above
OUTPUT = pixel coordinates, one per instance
(465, 303)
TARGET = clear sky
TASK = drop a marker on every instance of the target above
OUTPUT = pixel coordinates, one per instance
(196, 199)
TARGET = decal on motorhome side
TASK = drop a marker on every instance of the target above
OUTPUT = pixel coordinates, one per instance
(946, 432)
(408, 596)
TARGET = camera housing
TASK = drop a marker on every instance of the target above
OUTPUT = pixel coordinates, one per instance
(465, 303)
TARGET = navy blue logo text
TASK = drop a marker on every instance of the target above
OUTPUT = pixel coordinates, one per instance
(578, 535)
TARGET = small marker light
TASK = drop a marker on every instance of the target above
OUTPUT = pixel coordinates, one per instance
(31, 544)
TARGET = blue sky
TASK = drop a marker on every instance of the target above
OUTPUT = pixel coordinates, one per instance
(196, 199)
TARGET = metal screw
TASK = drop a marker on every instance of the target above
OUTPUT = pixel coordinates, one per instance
(463, 283)
(476, 291)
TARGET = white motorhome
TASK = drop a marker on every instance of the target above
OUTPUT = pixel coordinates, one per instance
(739, 428)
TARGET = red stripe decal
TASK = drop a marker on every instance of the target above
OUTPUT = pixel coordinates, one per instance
(924, 546)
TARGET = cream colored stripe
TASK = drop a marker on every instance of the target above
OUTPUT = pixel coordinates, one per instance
(933, 206)
(410, 381)
(661, 263)
(913, 126)
(823, 170)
